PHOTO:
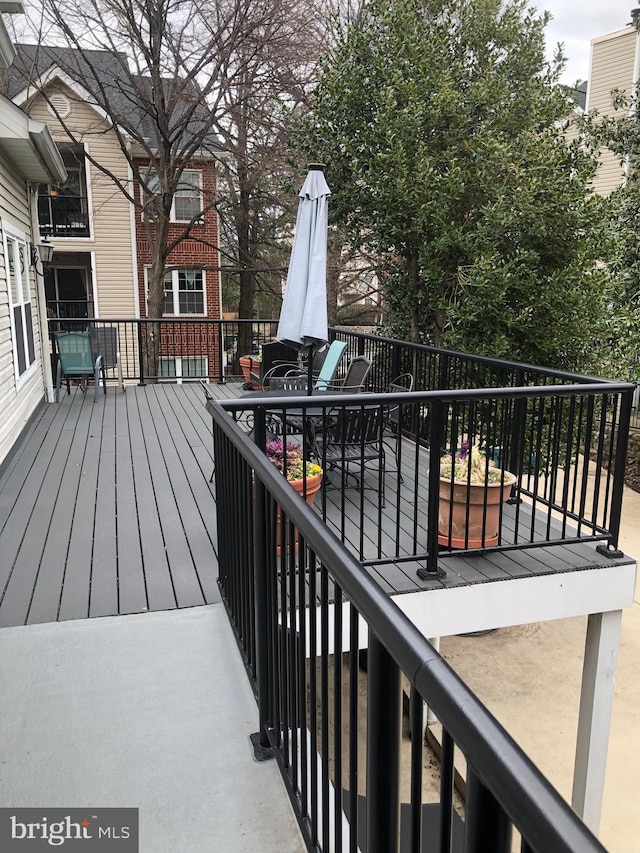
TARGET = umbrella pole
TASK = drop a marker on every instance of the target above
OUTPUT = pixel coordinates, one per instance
(310, 371)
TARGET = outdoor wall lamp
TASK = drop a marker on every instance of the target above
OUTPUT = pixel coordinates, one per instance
(44, 252)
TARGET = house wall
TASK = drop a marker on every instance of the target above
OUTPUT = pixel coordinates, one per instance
(198, 251)
(612, 63)
(16, 404)
(190, 252)
(111, 234)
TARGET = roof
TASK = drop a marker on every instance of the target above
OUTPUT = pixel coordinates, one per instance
(29, 146)
(579, 95)
(97, 71)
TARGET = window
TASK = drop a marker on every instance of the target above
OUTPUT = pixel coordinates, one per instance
(187, 200)
(17, 270)
(183, 369)
(184, 291)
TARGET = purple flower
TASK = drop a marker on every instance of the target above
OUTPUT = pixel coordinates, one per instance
(464, 450)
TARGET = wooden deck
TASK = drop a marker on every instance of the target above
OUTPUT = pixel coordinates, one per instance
(107, 509)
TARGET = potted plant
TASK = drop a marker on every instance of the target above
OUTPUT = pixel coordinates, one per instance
(246, 363)
(304, 476)
(471, 494)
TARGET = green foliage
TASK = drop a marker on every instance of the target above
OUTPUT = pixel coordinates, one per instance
(621, 134)
(441, 126)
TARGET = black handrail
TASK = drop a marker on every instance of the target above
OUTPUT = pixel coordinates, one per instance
(499, 770)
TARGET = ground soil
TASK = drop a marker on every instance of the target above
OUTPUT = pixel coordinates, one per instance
(632, 474)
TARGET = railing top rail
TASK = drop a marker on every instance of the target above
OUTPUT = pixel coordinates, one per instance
(446, 395)
(523, 792)
(481, 359)
(470, 357)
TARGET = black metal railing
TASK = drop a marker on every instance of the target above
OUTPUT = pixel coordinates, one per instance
(304, 610)
(63, 216)
(432, 368)
(189, 349)
(393, 502)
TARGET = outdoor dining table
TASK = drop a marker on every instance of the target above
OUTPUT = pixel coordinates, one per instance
(310, 415)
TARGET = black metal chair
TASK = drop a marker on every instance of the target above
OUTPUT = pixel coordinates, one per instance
(104, 342)
(276, 358)
(355, 378)
(352, 436)
(392, 430)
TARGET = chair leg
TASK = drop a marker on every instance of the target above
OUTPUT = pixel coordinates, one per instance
(98, 371)
(58, 377)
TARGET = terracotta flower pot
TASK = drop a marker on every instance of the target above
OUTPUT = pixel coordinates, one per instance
(313, 487)
(246, 365)
(466, 510)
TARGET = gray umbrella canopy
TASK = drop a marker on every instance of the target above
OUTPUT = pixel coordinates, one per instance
(303, 319)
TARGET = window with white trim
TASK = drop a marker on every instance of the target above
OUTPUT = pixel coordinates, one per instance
(187, 200)
(16, 256)
(184, 292)
(183, 369)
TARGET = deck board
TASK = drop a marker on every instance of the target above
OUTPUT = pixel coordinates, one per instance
(106, 508)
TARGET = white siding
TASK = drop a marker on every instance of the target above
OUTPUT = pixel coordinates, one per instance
(612, 62)
(16, 404)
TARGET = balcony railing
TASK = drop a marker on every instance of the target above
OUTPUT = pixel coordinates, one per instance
(63, 216)
(302, 614)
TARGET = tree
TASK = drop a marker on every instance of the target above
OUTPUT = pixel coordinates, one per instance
(178, 79)
(621, 134)
(441, 126)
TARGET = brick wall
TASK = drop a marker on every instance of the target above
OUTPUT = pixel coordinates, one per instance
(189, 339)
(190, 252)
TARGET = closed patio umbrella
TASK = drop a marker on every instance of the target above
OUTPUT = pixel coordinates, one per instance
(303, 318)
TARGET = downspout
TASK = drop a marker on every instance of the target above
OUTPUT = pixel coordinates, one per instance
(45, 340)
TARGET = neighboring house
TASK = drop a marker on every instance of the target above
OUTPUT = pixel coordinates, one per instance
(28, 158)
(101, 258)
(615, 61)
(192, 284)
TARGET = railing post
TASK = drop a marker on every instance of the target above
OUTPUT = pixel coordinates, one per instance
(140, 355)
(221, 351)
(622, 445)
(260, 740)
(487, 829)
(436, 437)
(383, 749)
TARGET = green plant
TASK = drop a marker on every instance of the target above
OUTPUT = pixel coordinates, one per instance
(469, 466)
(290, 462)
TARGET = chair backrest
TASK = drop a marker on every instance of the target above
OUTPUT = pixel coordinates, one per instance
(104, 341)
(356, 375)
(287, 383)
(401, 383)
(356, 425)
(330, 365)
(276, 351)
(75, 353)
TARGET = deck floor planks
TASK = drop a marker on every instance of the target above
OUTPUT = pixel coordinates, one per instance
(75, 593)
(104, 571)
(160, 592)
(25, 539)
(143, 458)
(46, 594)
(15, 471)
(168, 497)
(194, 499)
(132, 591)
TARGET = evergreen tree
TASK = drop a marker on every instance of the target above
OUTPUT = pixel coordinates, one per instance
(443, 130)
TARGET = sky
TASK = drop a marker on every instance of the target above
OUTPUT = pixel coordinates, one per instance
(576, 22)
